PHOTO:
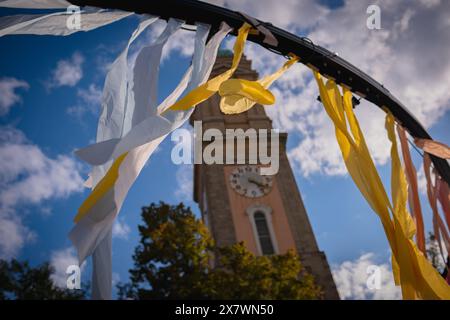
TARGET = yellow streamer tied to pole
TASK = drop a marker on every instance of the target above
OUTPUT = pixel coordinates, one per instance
(239, 95)
(209, 88)
(412, 271)
(246, 89)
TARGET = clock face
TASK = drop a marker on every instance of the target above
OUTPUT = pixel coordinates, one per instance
(247, 181)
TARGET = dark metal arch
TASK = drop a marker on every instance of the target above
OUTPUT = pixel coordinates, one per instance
(323, 60)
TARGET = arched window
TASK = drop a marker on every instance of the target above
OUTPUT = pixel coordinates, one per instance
(260, 217)
(265, 240)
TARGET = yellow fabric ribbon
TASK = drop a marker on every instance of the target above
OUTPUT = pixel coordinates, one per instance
(101, 188)
(209, 88)
(239, 95)
(412, 271)
(242, 88)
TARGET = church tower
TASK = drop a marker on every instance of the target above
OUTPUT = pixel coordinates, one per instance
(237, 204)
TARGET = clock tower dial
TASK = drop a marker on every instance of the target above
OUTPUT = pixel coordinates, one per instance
(248, 182)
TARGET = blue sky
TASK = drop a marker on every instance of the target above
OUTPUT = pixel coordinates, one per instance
(52, 113)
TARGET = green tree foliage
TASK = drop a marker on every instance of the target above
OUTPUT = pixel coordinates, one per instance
(175, 257)
(20, 281)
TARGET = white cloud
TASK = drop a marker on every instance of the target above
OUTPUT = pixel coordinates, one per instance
(185, 182)
(29, 177)
(439, 260)
(13, 235)
(89, 101)
(421, 181)
(288, 14)
(120, 229)
(402, 55)
(115, 279)
(91, 95)
(351, 280)
(60, 260)
(8, 95)
(68, 72)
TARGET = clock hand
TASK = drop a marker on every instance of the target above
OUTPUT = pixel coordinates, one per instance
(260, 184)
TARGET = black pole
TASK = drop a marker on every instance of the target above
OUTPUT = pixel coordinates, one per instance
(319, 58)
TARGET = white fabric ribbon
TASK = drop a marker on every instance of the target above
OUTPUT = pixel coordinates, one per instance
(119, 109)
(111, 125)
(114, 99)
(35, 4)
(147, 130)
(95, 226)
(143, 99)
(56, 23)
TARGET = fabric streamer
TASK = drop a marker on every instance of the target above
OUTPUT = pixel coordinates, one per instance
(417, 277)
(110, 125)
(118, 104)
(35, 4)
(246, 89)
(212, 86)
(56, 23)
(436, 148)
(145, 71)
(114, 99)
(239, 95)
(161, 124)
(439, 229)
(413, 191)
(96, 223)
(443, 194)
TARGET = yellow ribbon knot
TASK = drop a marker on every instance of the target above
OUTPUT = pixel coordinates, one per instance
(239, 95)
